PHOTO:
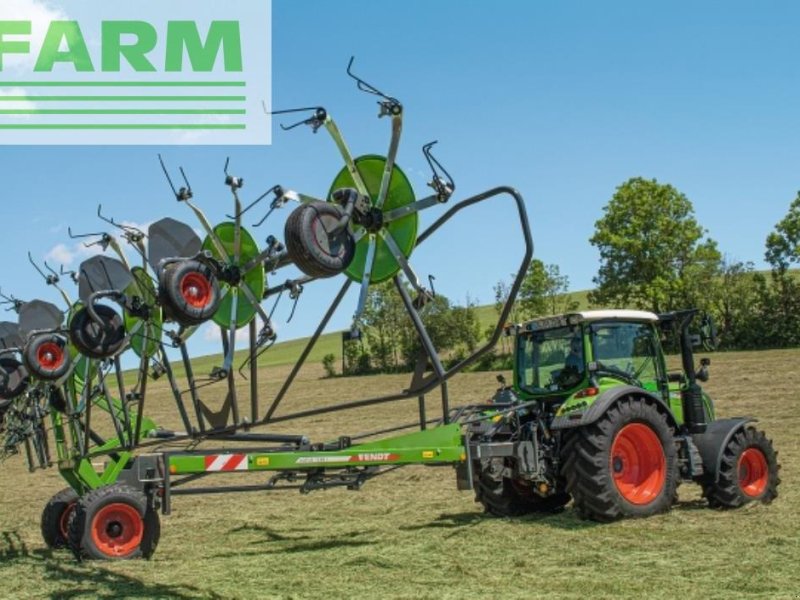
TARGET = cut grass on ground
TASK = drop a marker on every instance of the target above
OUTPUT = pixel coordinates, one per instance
(410, 534)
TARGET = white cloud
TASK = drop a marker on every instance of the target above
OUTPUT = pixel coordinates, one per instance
(70, 255)
(40, 14)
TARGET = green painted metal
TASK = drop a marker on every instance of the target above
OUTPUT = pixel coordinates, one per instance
(440, 445)
(403, 230)
(254, 279)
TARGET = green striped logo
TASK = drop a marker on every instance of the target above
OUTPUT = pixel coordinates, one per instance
(167, 73)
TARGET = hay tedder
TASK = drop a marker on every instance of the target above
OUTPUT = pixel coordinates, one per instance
(610, 428)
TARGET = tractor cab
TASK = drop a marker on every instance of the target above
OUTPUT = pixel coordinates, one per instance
(570, 360)
(562, 355)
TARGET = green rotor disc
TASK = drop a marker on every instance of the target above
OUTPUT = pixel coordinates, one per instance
(254, 279)
(403, 230)
(145, 340)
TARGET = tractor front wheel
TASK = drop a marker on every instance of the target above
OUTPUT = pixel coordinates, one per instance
(748, 472)
(56, 516)
(114, 522)
(623, 465)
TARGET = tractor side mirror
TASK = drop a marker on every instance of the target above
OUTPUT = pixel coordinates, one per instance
(501, 379)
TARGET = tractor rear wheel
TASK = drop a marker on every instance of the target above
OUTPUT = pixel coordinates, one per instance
(748, 472)
(504, 497)
(56, 516)
(623, 465)
(114, 522)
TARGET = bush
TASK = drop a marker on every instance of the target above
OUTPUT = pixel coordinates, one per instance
(328, 364)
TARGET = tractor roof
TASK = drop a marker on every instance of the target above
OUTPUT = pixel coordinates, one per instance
(586, 315)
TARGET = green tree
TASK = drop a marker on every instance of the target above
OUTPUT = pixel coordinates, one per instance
(544, 291)
(782, 298)
(736, 303)
(653, 254)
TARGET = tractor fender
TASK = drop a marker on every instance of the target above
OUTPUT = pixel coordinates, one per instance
(603, 402)
(712, 442)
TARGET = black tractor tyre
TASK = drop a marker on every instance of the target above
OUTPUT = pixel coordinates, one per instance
(13, 380)
(502, 497)
(189, 292)
(97, 340)
(623, 465)
(114, 522)
(56, 516)
(314, 250)
(748, 472)
(46, 356)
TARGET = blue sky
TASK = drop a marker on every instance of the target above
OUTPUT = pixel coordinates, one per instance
(562, 100)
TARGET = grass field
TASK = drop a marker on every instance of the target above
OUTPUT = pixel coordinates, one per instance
(411, 534)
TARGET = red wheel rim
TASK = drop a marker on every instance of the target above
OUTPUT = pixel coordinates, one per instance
(638, 464)
(117, 530)
(63, 522)
(50, 356)
(753, 472)
(196, 290)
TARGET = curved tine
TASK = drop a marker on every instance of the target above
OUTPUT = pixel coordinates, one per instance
(252, 204)
(121, 226)
(426, 150)
(35, 266)
(366, 87)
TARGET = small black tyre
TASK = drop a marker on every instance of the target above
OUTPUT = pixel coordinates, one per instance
(189, 292)
(56, 516)
(623, 465)
(748, 472)
(115, 522)
(314, 250)
(46, 356)
(504, 497)
(94, 339)
(13, 380)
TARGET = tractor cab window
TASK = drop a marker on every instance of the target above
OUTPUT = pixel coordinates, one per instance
(629, 349)
(551, 360)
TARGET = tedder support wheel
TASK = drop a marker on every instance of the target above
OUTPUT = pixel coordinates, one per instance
(748, 472)
(56, 516)
(623, 465)
(47, 357)
(114, 522)
(190, 292)
(312, 246)
(97, 340)
(504, 497)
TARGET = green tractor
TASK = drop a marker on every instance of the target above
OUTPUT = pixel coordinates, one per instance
(602, 420)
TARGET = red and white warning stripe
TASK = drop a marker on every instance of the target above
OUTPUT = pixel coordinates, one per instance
(226, 462)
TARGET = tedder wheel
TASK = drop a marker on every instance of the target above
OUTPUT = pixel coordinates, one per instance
(114, 522)
(504, 497)
(97, 340)
(190, 292)
(13, 379)
(314, 250)
(47, 357)
(623, 465)
(748, 472)
(56, 516)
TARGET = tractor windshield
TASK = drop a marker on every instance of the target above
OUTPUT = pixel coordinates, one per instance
(629, 349)
(551, 360)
